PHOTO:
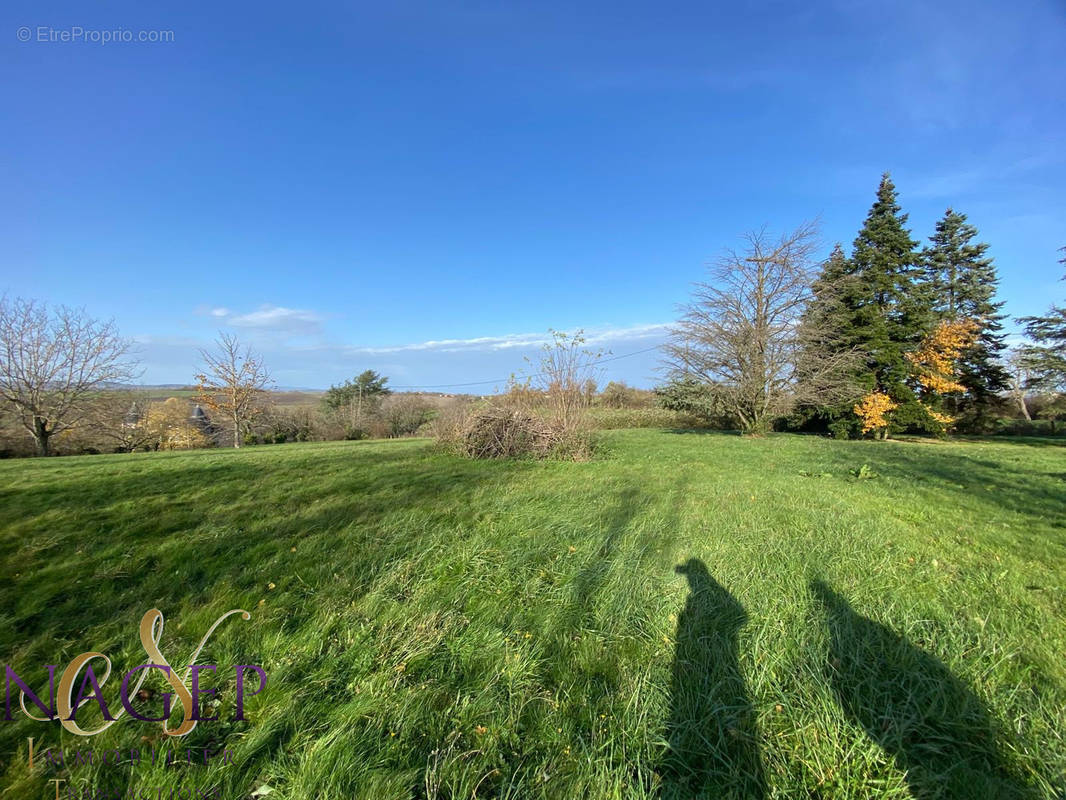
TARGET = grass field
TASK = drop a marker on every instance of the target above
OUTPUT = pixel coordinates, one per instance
(686, 615)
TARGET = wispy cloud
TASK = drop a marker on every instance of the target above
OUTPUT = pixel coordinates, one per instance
(272, 319)
(324, 359)
(510, 341)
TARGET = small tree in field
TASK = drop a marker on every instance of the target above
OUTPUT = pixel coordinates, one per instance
(566, 370)
(937, 365)
(356, 402)
(53, 363)
(873, 411)
(233, 383)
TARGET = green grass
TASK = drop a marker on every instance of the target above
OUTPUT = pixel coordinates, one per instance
(687, 615)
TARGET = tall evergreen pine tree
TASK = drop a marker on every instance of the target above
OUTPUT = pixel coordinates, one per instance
(888, 303)
(877, 303)
(826, 312)
(1047, 357)
(963, 280)
(826, 325)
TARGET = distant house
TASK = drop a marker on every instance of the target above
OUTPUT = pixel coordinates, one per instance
(135, 417)
(199, 420)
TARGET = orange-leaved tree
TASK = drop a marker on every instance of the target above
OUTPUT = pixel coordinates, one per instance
(936, 365)
(873, 411)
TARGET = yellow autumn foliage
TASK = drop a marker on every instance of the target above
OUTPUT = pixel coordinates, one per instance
(873, 409)
(936, 359)
(943, 419)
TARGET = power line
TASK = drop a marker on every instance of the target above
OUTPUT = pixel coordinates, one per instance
(504, 380)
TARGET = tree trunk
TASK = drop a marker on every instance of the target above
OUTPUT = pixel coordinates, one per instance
(236, 432)
(1024, 407)
(41, 435)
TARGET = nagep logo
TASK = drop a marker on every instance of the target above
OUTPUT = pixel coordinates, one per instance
(80, 685)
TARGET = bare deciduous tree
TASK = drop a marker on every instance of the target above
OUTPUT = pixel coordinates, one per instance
(744, 333)
(1020, 376)
(566, 372)
(52, 363)
(233, 383)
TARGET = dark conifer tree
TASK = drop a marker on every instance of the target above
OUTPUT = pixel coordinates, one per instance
(962, 279)
(889, 303)
(877, 303)
(827, 327)
(826, 312)
(1046, 358)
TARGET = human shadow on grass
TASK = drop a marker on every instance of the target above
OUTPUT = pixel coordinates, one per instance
(939, 732)
(713, 741)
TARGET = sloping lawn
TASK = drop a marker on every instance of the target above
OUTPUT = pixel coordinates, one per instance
(688, 615)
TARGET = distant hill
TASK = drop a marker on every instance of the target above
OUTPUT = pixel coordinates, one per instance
(282, 395)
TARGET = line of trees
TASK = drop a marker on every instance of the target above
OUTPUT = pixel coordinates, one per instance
(893, 337)
(745, 336)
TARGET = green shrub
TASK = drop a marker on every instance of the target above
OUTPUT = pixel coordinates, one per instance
(845, 428)
(699, 400)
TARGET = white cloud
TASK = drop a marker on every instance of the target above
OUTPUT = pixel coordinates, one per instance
(272, 319)
(318, 361)
(511, 341)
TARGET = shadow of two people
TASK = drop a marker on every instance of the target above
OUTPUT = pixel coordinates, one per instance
(907, 701)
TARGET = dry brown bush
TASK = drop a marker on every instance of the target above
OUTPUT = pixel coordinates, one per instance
(544, 415)
(500, 431)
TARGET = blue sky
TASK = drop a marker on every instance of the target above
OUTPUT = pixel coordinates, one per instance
(426, 188)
